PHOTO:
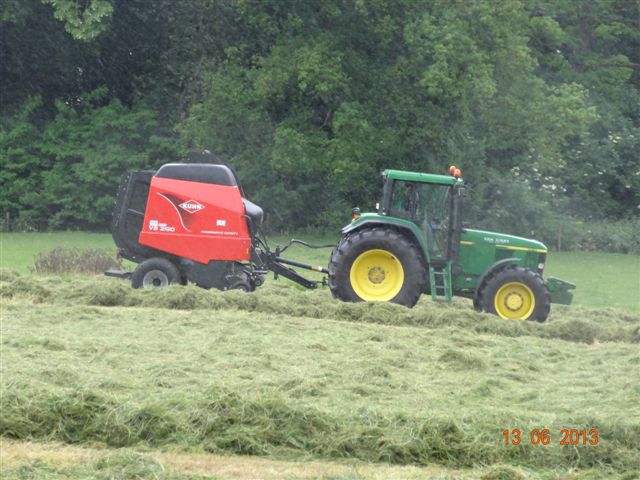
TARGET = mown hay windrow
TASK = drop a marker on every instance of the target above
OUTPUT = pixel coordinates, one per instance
(127, 464)
(462, 360)
(573, 324)
(7, 275)
(503, 472)
(290, 372)
(64, 463)
(224, 421)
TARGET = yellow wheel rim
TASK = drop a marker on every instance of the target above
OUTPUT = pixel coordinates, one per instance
(376, 275)
(514, 300)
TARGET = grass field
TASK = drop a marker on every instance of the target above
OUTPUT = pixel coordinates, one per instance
(102, 381)
(603, 279)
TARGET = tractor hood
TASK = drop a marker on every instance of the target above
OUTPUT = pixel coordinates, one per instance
(502, 240)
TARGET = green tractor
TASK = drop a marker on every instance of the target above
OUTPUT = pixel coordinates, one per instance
(417, 243)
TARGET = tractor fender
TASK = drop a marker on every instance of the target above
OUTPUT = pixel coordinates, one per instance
(491, 269)
(410, 230)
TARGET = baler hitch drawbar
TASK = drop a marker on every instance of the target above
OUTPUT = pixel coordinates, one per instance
(272, 261)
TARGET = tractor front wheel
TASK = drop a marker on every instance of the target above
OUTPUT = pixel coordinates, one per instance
(377, 264)
(516, 293)
(155, 272)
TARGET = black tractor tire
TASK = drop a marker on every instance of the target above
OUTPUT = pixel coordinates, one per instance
(155, 272)
(519, 284)
(392, 243)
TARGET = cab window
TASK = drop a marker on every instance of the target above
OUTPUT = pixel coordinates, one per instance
(428, 206)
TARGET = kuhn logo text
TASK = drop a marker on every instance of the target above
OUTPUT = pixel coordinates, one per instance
(191, 206)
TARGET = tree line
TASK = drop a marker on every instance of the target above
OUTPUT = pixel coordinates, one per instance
(536, 101)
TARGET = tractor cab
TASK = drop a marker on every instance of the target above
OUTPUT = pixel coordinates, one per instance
(432, 203)
(427, 205)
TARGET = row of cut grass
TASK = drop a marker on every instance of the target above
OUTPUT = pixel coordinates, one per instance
(22, 460)
(603, 279)
(232, 372)
(574, 324)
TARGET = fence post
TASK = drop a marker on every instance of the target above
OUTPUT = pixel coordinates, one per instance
(559, 239)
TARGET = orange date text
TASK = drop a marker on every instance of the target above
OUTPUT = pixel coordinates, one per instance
(544, 436)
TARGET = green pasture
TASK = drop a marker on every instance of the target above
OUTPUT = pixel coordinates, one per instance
(603, 279)
(17, 250)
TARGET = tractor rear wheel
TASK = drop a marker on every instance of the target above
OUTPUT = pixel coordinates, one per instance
(155, 272)
(516, 293)
(377, 264)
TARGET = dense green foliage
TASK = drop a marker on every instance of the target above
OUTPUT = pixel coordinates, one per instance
(537, 101)
(69, 170)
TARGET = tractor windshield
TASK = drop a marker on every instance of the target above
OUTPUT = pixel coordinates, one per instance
(428, 206)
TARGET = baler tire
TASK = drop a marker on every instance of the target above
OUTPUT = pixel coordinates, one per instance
(163, 271)
(242, 286)
(530, 297)
(387, 242)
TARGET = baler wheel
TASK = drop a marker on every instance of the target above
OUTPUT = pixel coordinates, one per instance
(377, 264)
(155, 273)
(242, 286)
(516, 293)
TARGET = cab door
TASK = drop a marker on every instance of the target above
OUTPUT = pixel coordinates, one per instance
(429, 206)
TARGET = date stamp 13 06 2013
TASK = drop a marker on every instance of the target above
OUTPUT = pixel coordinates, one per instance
(546, 436)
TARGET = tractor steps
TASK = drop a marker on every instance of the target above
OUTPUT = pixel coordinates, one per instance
(440, 282)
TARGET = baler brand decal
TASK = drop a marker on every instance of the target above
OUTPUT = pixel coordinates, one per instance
(220, 232)
(191, 206)
(174, 203)
(221, 223)
(156, 226)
